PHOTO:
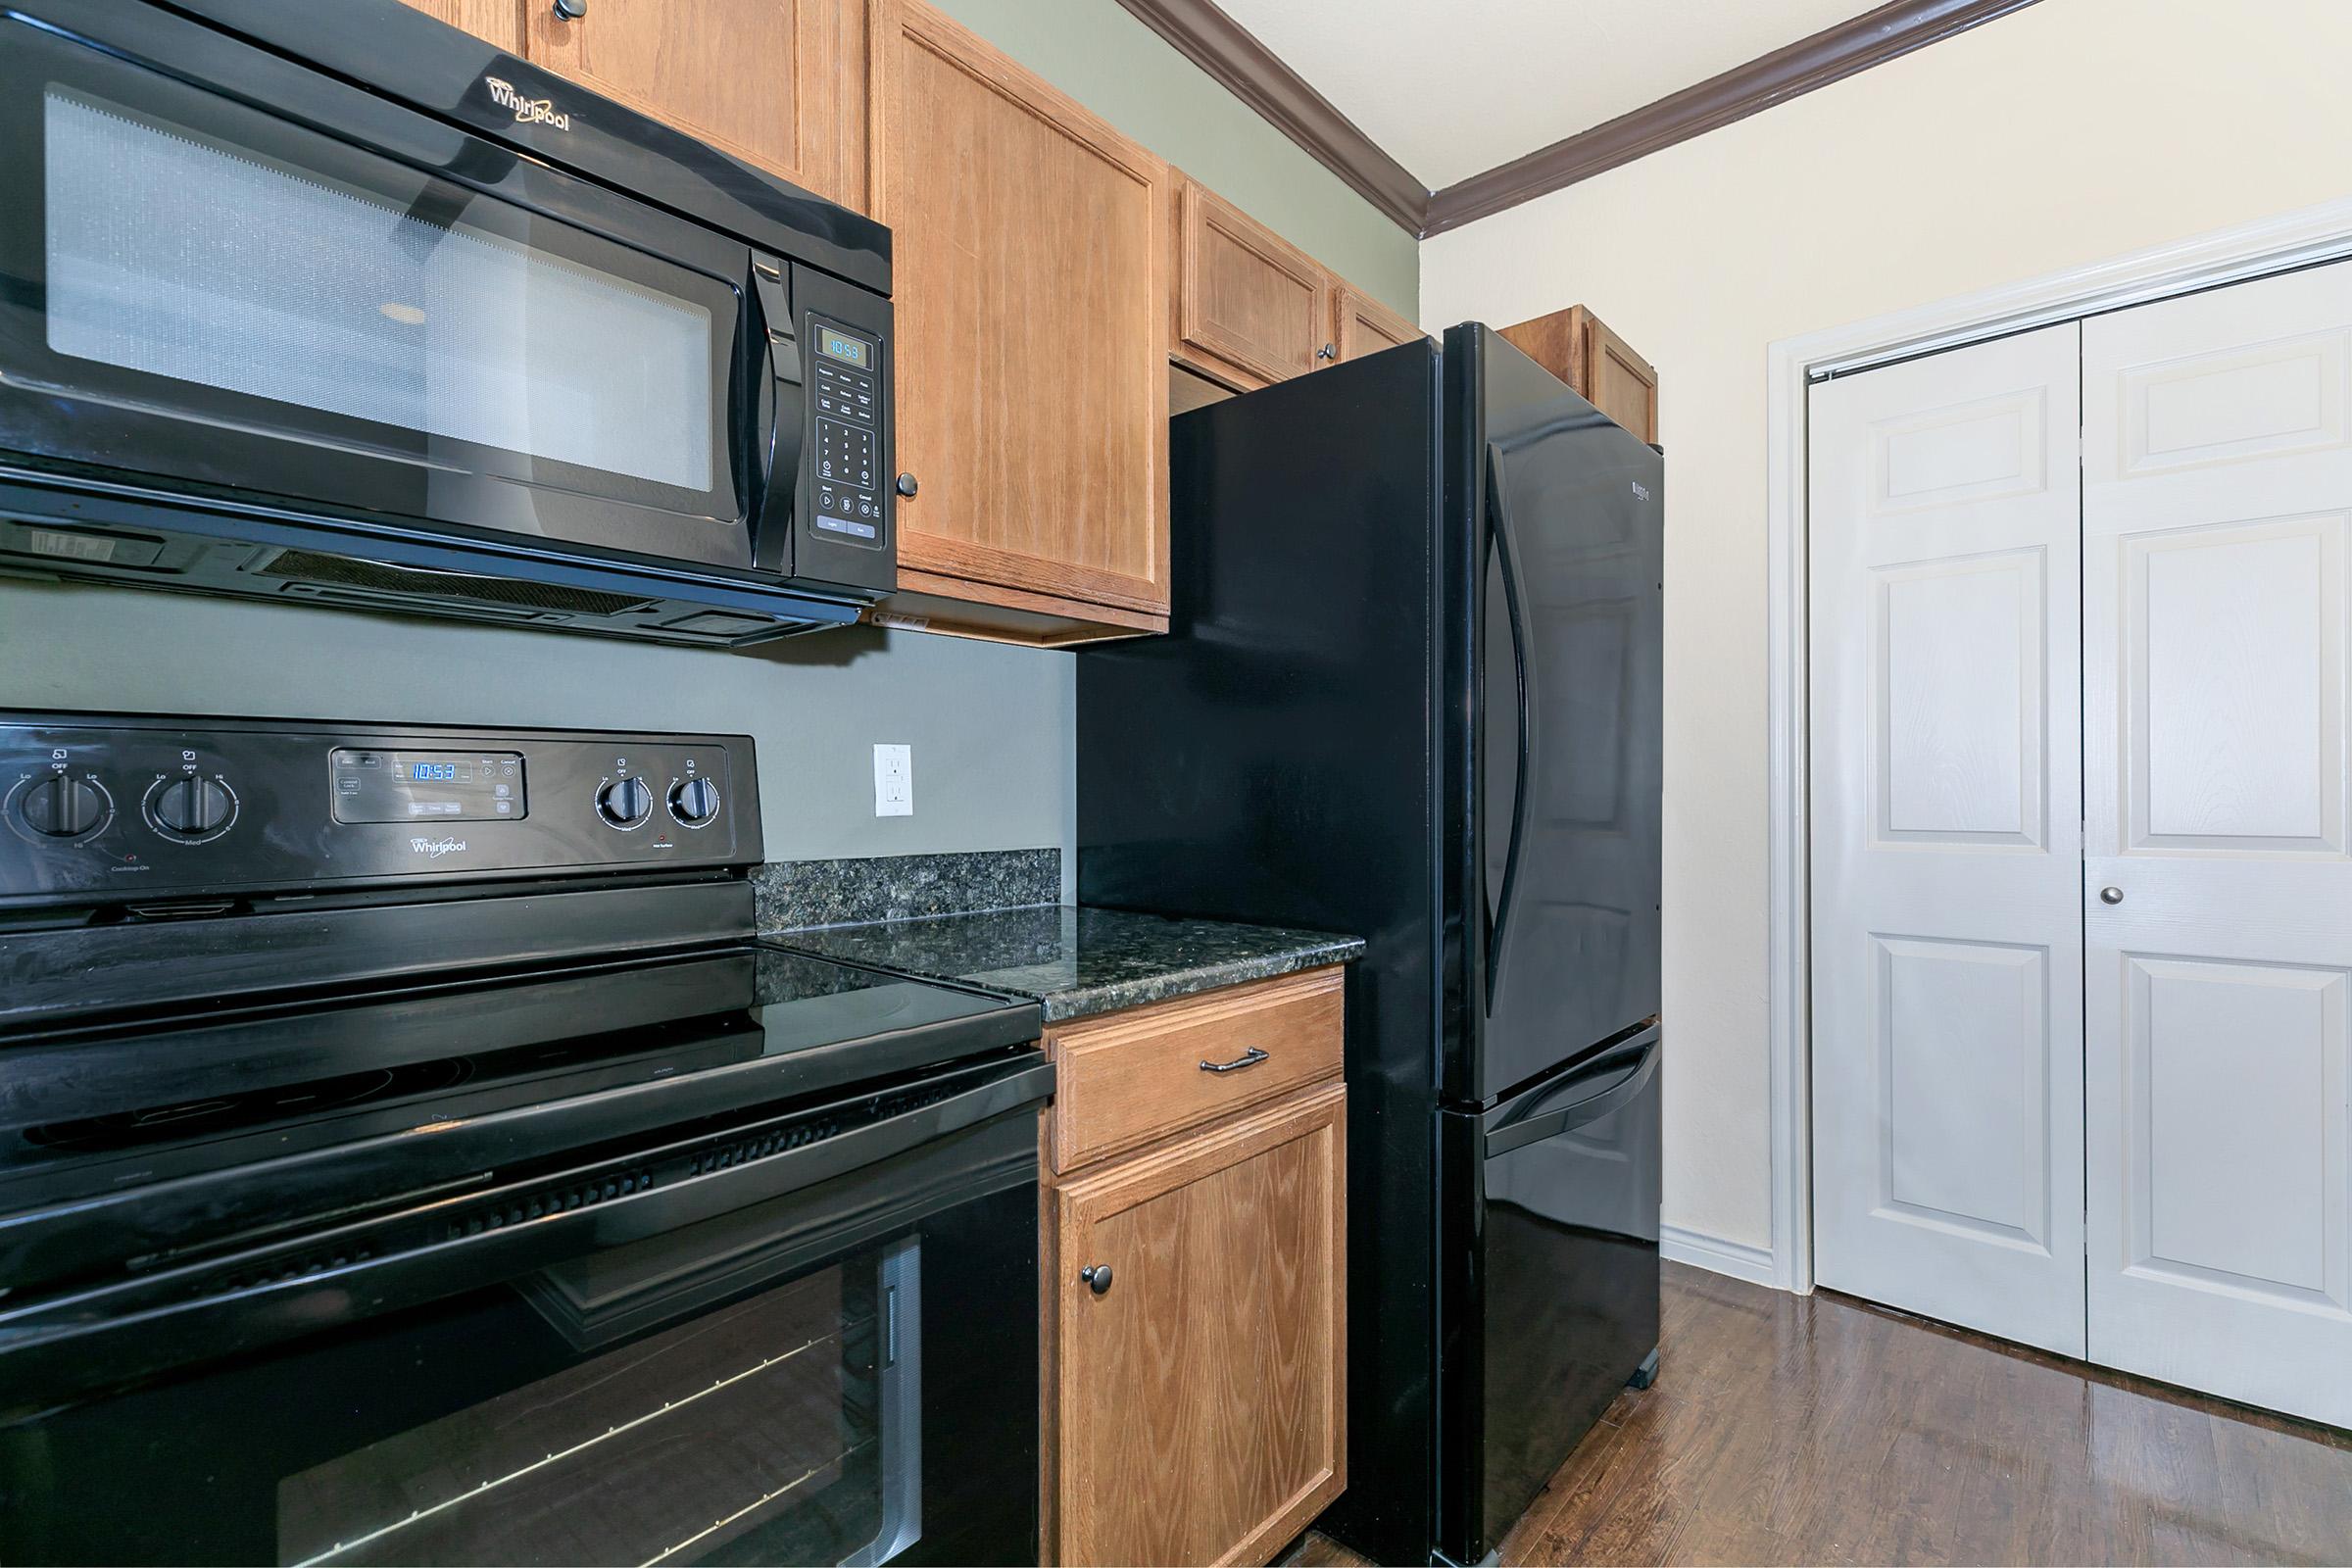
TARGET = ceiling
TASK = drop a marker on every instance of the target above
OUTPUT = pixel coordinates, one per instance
(1452, 90)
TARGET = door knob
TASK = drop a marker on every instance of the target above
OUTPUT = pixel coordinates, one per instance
(2111, 895)
(1097, 1277)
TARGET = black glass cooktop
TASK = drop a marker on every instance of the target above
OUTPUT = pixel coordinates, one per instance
(119, 1146)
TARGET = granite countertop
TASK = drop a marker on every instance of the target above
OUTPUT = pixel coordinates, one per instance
(1077, 961)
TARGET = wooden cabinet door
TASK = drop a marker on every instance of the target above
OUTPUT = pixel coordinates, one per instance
(1622, 383)
(1031, 297)
(1200, 1397)
(1251, 309)
(1361, 325)
(1579, 348)
(783, 85)
(495, 22)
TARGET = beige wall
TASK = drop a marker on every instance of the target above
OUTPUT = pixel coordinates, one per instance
(2069, 132)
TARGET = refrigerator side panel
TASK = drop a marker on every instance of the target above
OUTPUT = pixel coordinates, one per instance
(1564, 761)
(1270, 761)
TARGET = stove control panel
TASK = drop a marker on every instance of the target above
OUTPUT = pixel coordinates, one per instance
(121, 809)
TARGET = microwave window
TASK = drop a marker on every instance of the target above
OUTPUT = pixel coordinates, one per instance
(171, 257)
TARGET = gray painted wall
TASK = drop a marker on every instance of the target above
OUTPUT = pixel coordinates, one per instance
(991, 726)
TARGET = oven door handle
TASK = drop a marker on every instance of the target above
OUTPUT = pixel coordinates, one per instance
(125, 1330)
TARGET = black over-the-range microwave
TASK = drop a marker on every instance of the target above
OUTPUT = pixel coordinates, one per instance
(336, 305)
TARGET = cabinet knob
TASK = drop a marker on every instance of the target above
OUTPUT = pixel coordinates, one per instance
(2111, 895)
(571, 10)
(907, 485)
(1329, 351)
(1097, 1277)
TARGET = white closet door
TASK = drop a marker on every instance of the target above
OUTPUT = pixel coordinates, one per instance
(2216, 480)
(1948, 925)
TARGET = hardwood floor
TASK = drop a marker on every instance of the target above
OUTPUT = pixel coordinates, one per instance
(1789, 1429)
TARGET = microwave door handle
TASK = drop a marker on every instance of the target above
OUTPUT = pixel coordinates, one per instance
(783, 409)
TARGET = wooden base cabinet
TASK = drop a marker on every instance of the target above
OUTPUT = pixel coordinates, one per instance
(1193, 1242)
(1199, 1396)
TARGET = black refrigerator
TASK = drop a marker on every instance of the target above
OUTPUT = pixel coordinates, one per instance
(1410, 690)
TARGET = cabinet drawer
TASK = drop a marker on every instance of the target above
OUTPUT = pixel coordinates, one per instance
(1130, 1077)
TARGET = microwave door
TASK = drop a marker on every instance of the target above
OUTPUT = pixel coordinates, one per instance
(399, 323)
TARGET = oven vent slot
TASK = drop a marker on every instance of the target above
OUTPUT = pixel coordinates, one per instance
(461, 587)
(299, 1267)
(743, 1150)
(550, 1201)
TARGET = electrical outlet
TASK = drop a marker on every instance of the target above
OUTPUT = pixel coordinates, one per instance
(894, 780)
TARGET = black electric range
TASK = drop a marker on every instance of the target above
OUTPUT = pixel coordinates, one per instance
(419, 1102)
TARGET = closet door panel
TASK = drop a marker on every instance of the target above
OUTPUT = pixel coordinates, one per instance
(2217, 487)
(1947, 1108)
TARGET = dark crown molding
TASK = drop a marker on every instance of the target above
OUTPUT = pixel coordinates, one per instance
(1220, 46)
(1830, 55)
(1247, 68)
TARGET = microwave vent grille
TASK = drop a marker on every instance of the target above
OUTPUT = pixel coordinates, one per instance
(382, 577)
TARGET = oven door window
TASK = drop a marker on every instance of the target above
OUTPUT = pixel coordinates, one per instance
(228, 298)
(786, 1428)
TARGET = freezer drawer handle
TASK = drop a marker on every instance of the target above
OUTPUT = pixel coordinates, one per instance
(1622, 1071)
(1248, 1058)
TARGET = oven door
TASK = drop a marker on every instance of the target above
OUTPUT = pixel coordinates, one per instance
(226, 273)
(810, 1339)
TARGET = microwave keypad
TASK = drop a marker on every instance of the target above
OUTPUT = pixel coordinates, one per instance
(848, 501)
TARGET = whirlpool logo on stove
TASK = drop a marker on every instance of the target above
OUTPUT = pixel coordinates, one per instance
(434, 849)
(531, 111)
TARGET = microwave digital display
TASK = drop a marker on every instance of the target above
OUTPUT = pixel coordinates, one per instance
(843, 347)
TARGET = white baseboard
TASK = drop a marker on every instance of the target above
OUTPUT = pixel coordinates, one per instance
(1712, 1252)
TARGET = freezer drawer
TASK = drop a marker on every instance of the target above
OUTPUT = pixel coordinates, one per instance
(1549, 1278)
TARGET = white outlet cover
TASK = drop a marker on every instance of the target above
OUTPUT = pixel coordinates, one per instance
(894, 780)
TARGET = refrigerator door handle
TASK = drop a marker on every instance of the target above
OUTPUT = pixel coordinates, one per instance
(1624, 1070)
(1498, 900)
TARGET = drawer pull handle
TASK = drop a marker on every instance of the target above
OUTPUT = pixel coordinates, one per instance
(1248, 1058)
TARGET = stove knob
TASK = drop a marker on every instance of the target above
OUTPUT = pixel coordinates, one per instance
(62, 807)
(694, 801)
(191, 809)
(625, 802)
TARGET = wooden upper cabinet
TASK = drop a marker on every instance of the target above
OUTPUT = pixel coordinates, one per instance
(1201, 1396)
(782, 84)
(1361, 325)
(1577, 347)
(497, 23)
(1251, 308)
(1031, 298)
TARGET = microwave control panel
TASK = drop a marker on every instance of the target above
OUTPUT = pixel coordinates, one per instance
(845, 402)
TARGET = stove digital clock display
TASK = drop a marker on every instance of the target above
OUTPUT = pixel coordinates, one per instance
(391, 786)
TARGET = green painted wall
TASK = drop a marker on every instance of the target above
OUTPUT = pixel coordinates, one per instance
(991, 726)
(1098, 54)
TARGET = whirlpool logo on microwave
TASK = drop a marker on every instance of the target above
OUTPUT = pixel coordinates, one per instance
(434, 849)
(531, 111)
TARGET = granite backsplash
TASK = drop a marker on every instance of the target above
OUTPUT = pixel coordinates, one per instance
(796, 895)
